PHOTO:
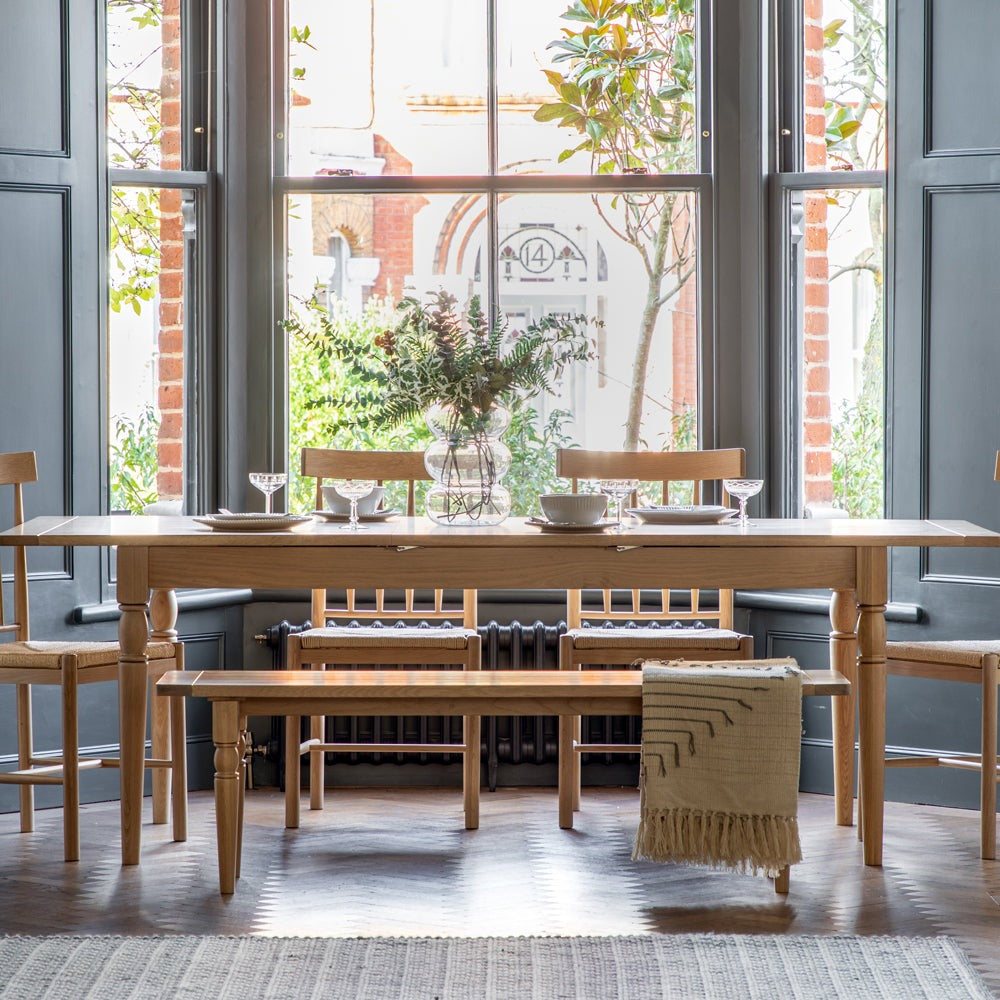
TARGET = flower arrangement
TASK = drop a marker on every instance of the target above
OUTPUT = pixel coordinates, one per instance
(435, 355)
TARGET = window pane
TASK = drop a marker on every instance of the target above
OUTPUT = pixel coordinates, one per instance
(144, 84)
(351, 258)
(838, 261)
(146, 348)
(844, 74)
(566, 254)
(557, 254)
(405, 95)
(623, 86)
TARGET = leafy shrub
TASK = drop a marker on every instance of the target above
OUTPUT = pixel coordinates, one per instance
(858, 462)
(134, 461)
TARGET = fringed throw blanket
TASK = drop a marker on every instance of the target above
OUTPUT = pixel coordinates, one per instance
(720, 764)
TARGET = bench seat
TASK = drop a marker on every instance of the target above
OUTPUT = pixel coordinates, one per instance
(236, 694)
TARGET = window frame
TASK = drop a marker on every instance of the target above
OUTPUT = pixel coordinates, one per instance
(493, 186)
(785, 409)
(195, 180)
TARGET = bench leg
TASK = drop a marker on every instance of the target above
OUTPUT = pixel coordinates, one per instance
(568, 774)
(472, 731)
(293, 772)
(781, 881)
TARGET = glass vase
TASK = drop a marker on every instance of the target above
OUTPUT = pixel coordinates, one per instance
(467, 460)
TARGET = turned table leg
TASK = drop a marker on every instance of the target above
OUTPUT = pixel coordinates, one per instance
(872, 584)
(133, 635)
(844, 658)
(163, 628)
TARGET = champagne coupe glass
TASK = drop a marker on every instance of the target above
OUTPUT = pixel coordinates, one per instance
(618, 489)
(743, 489)
(268, 483)
(354, 490)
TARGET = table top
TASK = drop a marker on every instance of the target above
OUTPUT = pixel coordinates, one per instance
(415, 684)
(420, 531)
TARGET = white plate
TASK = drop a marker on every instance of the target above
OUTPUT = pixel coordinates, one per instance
(253, 522)
(545, 525)
(375, 515)
(681, 514)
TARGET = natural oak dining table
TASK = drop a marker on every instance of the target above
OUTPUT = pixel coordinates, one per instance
(157, 555)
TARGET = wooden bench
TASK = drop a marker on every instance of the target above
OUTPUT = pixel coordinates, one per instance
(237, 694)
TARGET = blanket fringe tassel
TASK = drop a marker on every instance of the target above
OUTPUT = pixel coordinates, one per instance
(749, 844)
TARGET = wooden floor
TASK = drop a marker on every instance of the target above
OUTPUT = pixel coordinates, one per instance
(397, 862)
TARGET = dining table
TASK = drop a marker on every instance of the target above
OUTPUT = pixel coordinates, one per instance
(158, 555)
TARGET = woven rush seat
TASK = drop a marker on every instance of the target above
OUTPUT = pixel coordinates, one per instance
(48, 655)
(959, 652)
(371, 637)
(655, 638)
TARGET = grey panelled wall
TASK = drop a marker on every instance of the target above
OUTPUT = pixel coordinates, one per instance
(52, 357)
(945, 348)
(51, 351)
(944, 358)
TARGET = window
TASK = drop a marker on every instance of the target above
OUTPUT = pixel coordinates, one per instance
(832, 232)
(483, 149)
(156, 145)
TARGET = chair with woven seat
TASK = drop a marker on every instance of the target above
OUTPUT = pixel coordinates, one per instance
(970, 662)
(25, 662)
(406, 643)
(623, 637)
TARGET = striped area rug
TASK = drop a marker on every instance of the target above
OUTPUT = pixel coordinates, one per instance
(702, 966)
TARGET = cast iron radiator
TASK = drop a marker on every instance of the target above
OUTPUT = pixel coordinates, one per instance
(506, 740)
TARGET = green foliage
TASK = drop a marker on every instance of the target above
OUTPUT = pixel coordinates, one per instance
(134, 461)
(432, 354)
(840, 125)
(858, 459)
(299, 37)
(627, 89)
(318, 374)
(134, 245)
(533, 445)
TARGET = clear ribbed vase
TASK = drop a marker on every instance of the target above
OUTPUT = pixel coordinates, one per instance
(467, 460)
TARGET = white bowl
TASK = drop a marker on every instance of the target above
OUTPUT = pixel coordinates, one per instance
(573, 508)
(333, 501)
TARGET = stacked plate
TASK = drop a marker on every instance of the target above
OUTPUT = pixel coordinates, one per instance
(376, 515)
(683, 514)
(253, 521)
(547, 525)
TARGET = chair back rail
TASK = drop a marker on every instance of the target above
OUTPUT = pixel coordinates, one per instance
(17, 468)
(382, 466)
(666, 468)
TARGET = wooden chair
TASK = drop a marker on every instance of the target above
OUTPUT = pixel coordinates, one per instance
(373, 645)
(969, 661)
(973, 663)
(583, 646)
(25, 661)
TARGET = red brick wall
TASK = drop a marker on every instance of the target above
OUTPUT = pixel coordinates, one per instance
(684, 327)
(816, 429)
(170, 341)
(392, 226)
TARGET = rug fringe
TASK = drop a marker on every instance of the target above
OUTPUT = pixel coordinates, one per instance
(748, 844)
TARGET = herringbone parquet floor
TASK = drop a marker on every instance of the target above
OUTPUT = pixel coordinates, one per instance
(397, 862)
